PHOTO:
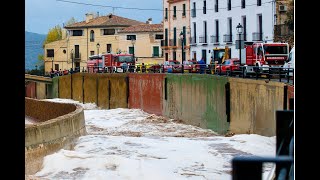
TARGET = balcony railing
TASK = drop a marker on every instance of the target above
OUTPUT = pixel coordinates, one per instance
(164, 43)
(242, 37)
(76, 56)
(257, 36)
(227, 38)
(214, 39)
(193, 13)
(203, 39)
(193, 40)
(173, 42)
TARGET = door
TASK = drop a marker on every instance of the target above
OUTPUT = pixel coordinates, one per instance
(131, 50)
(204, 55)
(76, 51)
(155, 51)
(109, 48)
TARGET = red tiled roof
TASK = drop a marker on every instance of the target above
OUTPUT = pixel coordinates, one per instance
(109, 20)
(143, 28)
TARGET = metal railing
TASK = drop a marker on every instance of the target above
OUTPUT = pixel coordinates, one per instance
(227, 38)
(257, 36)
(193, 40)
(203, 39)
(251, 167)
(214, 39)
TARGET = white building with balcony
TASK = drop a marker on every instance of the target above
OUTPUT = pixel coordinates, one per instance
(213, 25)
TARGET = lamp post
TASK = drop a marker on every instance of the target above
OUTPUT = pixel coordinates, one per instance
(72, 59)
(98, 46)
(239, 30)
(52, 63)
(182, 47)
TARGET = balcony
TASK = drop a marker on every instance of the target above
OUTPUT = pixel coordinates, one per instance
(203, 39)
(257, 36)
(214, 39)
(193, 13)
(193, 40)
(164, 43)
(173, 42)
(76, 56)
(227, 38)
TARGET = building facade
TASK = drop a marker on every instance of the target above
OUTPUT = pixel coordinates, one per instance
(144, 41)
(176, 23)
(95, 35)
(213, 25)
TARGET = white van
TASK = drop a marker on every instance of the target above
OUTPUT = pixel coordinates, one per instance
(290, 62)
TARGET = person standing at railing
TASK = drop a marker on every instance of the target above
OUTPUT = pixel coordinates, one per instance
(202, 66)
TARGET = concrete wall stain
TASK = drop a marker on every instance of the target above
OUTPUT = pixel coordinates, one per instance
(65, 87)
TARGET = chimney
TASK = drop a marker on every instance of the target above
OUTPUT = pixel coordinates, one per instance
(149, 21)
(110, 15)
(89, 16)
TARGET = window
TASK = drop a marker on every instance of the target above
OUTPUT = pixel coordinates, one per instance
(258, 2)
(50, 52)
(131, 50)
(91, 53)
(243, 4)
(174, 54)
(184, 35)
(77, 33)
(174, 11)
(174, 36)
(183, 9)
(230, 26)
(130, 37)
(166, 15)
(244, 23)
(91, 36)
(205, 31)
(159, 36)
(194, 32)
(155, 51)
(109, 31)
(194, 11)
(216, 6)
(56, 67)
(204, 7)
(204, 55)
(217, 30)
(166, 37)
(229, 5)
(109, 48)
(166, 56)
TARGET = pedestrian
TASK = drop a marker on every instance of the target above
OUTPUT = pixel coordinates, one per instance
(202, 65)
(124, 67)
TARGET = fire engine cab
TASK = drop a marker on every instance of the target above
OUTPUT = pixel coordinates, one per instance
(109, 62)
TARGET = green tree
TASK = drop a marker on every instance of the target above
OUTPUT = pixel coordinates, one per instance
(54, 34)
(40, 57)
(290, 15)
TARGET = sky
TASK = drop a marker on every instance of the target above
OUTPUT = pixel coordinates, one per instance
(132, 144)
(41, 15)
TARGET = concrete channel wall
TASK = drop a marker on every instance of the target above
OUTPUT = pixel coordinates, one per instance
(253, 104)
(58, 126)
(146, 92)
(197, 99)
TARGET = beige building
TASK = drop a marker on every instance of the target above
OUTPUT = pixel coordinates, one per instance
(144, 41)
(95, 35)
(176, 21)
(282, 33)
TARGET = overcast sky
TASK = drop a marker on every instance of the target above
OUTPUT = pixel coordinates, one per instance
(41, 15)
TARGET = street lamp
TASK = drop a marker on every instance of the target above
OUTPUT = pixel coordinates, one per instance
(98, 46)
(72, 59)
(182, 48)
(239, 30)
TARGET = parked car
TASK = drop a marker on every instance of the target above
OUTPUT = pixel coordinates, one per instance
(290, 63)
(191, 66)
(172, 66)
(228, 65)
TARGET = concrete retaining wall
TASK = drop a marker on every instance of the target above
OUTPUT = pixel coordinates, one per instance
(31, 90)
(146, 92)
(55, 87)
(59, 125)
(198, 100)
(65, 87)
(253, 104)
(41, 90)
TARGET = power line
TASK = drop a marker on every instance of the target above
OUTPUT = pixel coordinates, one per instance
(150, 9)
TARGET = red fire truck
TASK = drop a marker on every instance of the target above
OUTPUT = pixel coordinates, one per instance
(109, 62)
(264, 55)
